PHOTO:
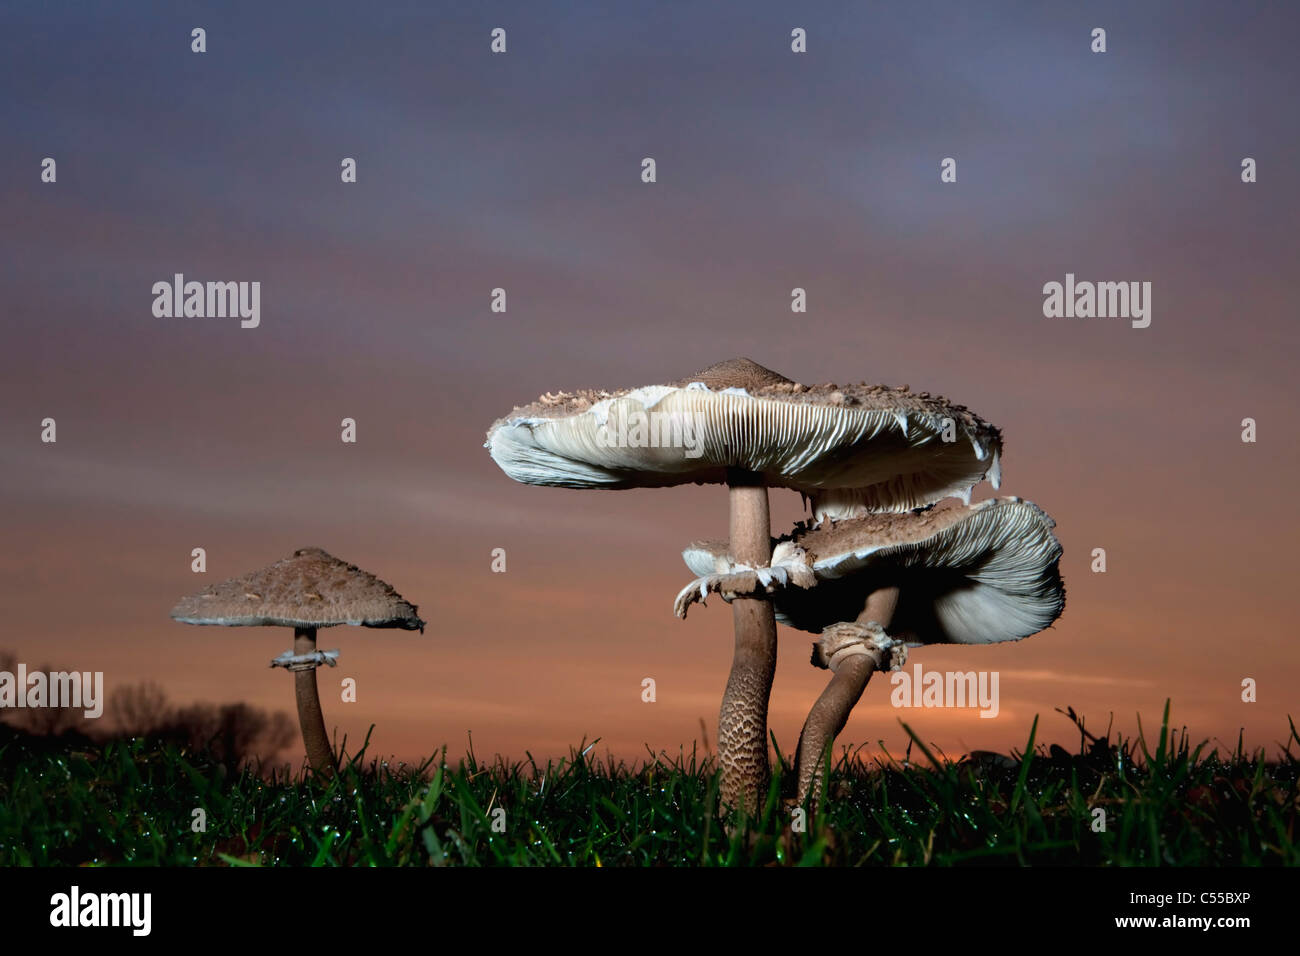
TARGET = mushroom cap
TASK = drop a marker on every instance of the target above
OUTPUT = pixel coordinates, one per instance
(853, 448)
(966, 575)
(310, 589)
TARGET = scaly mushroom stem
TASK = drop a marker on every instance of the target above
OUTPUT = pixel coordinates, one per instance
(310, 718)
(742, 722)
(831, 712)
(826, 719)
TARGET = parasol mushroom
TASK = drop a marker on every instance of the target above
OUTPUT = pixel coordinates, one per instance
(852, 449)
(310, 590)
(977, 574)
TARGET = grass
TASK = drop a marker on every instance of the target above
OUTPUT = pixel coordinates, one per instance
(1166, 803)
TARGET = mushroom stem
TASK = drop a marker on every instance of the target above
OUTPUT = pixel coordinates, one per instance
(831, 711)
(310, 718)
(742, 722)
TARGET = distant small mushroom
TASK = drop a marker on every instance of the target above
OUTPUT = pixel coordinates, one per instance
(310, 590)
(949, 575)
(852, 449)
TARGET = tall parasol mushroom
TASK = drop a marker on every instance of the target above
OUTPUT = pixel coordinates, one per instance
(310, 590)
(950, 575)
(852, 449)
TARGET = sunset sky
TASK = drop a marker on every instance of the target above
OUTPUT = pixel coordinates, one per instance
(523, 171)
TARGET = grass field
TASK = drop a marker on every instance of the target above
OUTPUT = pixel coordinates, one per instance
(1166, 802)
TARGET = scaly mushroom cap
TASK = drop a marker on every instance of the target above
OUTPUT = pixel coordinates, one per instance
(966, 575)
(312, 589)
(853, 449)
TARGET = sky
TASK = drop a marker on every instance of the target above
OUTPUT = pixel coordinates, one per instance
(775, 170)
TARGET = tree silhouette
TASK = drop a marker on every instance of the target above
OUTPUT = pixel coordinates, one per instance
(138, 709)
(43, 721)
(231, 734)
